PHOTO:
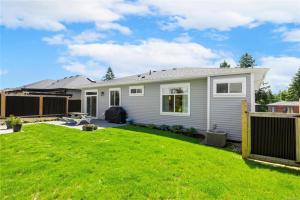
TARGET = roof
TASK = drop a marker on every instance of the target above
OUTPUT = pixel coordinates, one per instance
(285, 103)
(181, 74)
(71, 82)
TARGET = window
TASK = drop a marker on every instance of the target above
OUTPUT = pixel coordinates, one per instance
(175, 99)
(233, 87)
(114, 97)
(136, 90)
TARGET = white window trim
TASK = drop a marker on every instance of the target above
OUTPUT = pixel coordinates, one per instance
(229, 80)
(120, 97)
(91, 95)
(189, 99)
(136, 87)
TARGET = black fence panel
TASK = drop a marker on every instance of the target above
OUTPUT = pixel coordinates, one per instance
(54, 105)
(274, 137)
(74, 106)
(22, 105)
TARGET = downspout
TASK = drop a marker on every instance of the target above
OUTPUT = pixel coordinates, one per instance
(252, 103)
(208, 104)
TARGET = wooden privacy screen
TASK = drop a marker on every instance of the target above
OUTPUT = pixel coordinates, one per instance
(54, 105)
(22, 105)
(274, 137)
(74, 106)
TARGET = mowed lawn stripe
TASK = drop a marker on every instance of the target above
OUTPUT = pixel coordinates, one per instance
(48, 162)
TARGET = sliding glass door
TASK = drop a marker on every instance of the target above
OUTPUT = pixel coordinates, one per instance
(91, 104)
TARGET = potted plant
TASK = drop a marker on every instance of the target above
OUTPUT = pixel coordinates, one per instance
(8, 121)
(17, 124)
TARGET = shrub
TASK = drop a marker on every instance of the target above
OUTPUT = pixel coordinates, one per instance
(176, 128)
(164, 127)
(9, 121)
(16, 121)
(89, 127)
(153, 126)
(189, 131)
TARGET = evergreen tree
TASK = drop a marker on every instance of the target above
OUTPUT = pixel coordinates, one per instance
(109, 75)
(247, 61)
(224, 64)
(264, 96)
(293, 93)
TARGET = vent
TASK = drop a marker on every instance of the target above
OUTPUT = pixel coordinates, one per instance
(174, 68)
(163, 70)
(153, 71)
(143, 76)
(139, 75)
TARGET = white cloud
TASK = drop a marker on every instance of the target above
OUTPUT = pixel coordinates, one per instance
(282, 70)
(226, 14)
(82, 38)
(183, 38)
(90, 68)
(113, 26)
(216, 36)
(3, 72)
(292, 35)
(205, 14)
(53, 15)
(128, 59)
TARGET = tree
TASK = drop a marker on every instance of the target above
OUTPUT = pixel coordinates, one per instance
(282, 95)
(109, 75)
(247, 61)
(293, 93)
(264, 96)
(224, 64)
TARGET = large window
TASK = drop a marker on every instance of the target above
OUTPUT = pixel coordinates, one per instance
(115, 97)
(137, 90)
(175, 99)
(233, 87)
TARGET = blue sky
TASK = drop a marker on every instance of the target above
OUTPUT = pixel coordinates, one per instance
(54, 39)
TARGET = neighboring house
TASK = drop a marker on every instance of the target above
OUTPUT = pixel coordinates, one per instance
(24, 100)
(192, 97)
(67, 86)
(284, 107)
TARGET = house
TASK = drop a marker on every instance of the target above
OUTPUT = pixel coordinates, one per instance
(284, 107)
(67, 86)
(193, 97)
(17, 101)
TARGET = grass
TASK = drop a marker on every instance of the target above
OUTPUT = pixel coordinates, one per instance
(51, 162)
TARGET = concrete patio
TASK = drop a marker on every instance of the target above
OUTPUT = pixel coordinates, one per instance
(99, 122)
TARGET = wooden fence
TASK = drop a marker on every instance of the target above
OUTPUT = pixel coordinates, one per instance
(33, 105)
(273, 137)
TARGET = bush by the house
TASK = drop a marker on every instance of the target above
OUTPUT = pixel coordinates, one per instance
(89, 127)
(189, 131)
(153, 126)
(177, 128)
(164, 127)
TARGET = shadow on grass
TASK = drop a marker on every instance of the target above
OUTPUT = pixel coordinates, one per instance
(251, 164)
(159, 132)
(256, 165)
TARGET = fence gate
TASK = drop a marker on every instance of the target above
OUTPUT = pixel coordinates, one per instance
(271, 137)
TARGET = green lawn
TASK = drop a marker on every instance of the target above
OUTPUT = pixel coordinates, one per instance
(49, 162)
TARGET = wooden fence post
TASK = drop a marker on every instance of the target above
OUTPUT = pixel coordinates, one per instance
(67, 105)
(41, 106)
(298, 139)
(3, 105)
(245, 142)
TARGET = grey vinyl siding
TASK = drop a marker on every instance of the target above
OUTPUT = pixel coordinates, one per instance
(146, 109)
(76, 94)
(226, 111)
